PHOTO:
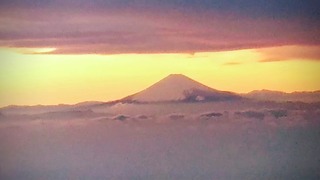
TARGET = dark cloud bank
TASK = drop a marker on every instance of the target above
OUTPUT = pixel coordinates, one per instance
(141, 26)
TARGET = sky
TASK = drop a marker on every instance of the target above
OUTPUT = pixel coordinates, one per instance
(69, 51)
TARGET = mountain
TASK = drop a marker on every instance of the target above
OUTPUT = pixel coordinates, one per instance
(313, 96)
(180, 88)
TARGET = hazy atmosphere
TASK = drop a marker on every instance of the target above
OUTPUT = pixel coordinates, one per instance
(70, 51)
(159, 89)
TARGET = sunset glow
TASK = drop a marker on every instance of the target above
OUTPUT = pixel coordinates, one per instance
(29, 79)
(159, 89)
(68, 51)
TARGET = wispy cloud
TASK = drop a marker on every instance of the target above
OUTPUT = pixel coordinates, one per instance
(111, 27)
(232, 63)
(290, 53)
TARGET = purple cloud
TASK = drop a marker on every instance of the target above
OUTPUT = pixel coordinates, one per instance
(112, 27)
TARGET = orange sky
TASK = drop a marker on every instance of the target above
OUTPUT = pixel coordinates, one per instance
(28, 78)
(67, 51)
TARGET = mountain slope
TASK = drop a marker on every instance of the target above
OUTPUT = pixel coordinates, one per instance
(177, 87)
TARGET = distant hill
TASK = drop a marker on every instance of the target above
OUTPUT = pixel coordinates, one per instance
(268, 95)
(174, 88)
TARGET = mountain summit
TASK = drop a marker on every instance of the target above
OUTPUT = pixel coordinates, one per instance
(178, 87)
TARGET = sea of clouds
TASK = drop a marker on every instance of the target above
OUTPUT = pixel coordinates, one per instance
(161, 142)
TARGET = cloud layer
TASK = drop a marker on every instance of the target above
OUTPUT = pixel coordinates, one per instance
(290, 53)
(112, 27)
